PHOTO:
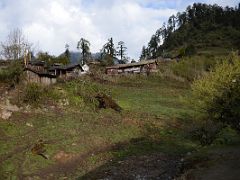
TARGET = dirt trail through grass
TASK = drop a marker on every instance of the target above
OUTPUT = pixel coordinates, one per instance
(154, 166)
(220, 164)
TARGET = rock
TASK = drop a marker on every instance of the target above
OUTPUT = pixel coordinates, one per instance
(63, 157)
(45, 109)
(12, 108)
(63, 102)
(6, 114)
(27, 109)
(29, 124)
(9, 107)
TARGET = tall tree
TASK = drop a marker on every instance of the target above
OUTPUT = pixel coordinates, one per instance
(153, 46)
(181, 19)
(15, 46)
(122, 51)
(172, 23)
(84, 46)
(67, 53)
(109, 50)
(144, 54)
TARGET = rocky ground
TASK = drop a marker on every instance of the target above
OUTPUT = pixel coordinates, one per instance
(220, 164)
(155, 166)
(6, 108)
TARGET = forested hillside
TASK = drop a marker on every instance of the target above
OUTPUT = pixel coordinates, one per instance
(199, 27)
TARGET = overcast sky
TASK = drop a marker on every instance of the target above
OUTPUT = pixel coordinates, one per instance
(50, 24)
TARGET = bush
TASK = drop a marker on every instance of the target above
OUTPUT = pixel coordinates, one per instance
(188, 50)
(204, 131)
(227, 136)
(217, 94)
(84, 91)
(33, 93)
(191, 68)
(12, 73)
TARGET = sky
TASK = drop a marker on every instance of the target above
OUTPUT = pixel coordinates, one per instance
(50, 24)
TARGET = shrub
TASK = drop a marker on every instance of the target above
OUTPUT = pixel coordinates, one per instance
(217, 94)
(12, 73)
(33, 93)
(189, 68)
(188, 50)
(227, 136)
(84, 90)
(204, 131)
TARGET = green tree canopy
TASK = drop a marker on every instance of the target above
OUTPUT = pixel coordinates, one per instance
(84, 47)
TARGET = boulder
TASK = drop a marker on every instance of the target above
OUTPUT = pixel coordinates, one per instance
(7, 109)
(5, 114)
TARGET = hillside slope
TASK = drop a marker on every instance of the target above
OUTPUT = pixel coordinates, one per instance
(199, 28)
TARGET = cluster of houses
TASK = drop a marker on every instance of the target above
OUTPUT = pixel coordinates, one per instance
(146, 67)
(141, 67)
(37, 72)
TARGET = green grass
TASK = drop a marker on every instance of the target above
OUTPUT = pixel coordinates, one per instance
(153, 96)
(79, 128)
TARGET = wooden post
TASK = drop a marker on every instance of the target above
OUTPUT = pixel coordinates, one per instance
(29, 57)
(25, 58)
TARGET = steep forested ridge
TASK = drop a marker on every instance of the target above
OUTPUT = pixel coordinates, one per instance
(199, 27)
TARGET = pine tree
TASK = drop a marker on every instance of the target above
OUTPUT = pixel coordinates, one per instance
(84, 46)
(122, 51)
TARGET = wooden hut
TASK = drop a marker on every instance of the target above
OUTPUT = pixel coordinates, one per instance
(38, 66)
(133, 68)
(43, 78)
(65, 72)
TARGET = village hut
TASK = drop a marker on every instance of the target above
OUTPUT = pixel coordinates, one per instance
(38, 66)
(43, 78)
(133, 68)
(68, 71)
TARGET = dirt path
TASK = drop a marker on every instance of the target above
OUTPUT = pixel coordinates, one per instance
(154, 166)
(150, 166)
(221, 164)
(67, 166)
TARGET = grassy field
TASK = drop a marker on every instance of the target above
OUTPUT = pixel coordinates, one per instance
(79, 137)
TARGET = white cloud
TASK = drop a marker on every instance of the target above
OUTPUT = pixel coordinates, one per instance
(224, 3)
(54, 23)
(57, 22)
